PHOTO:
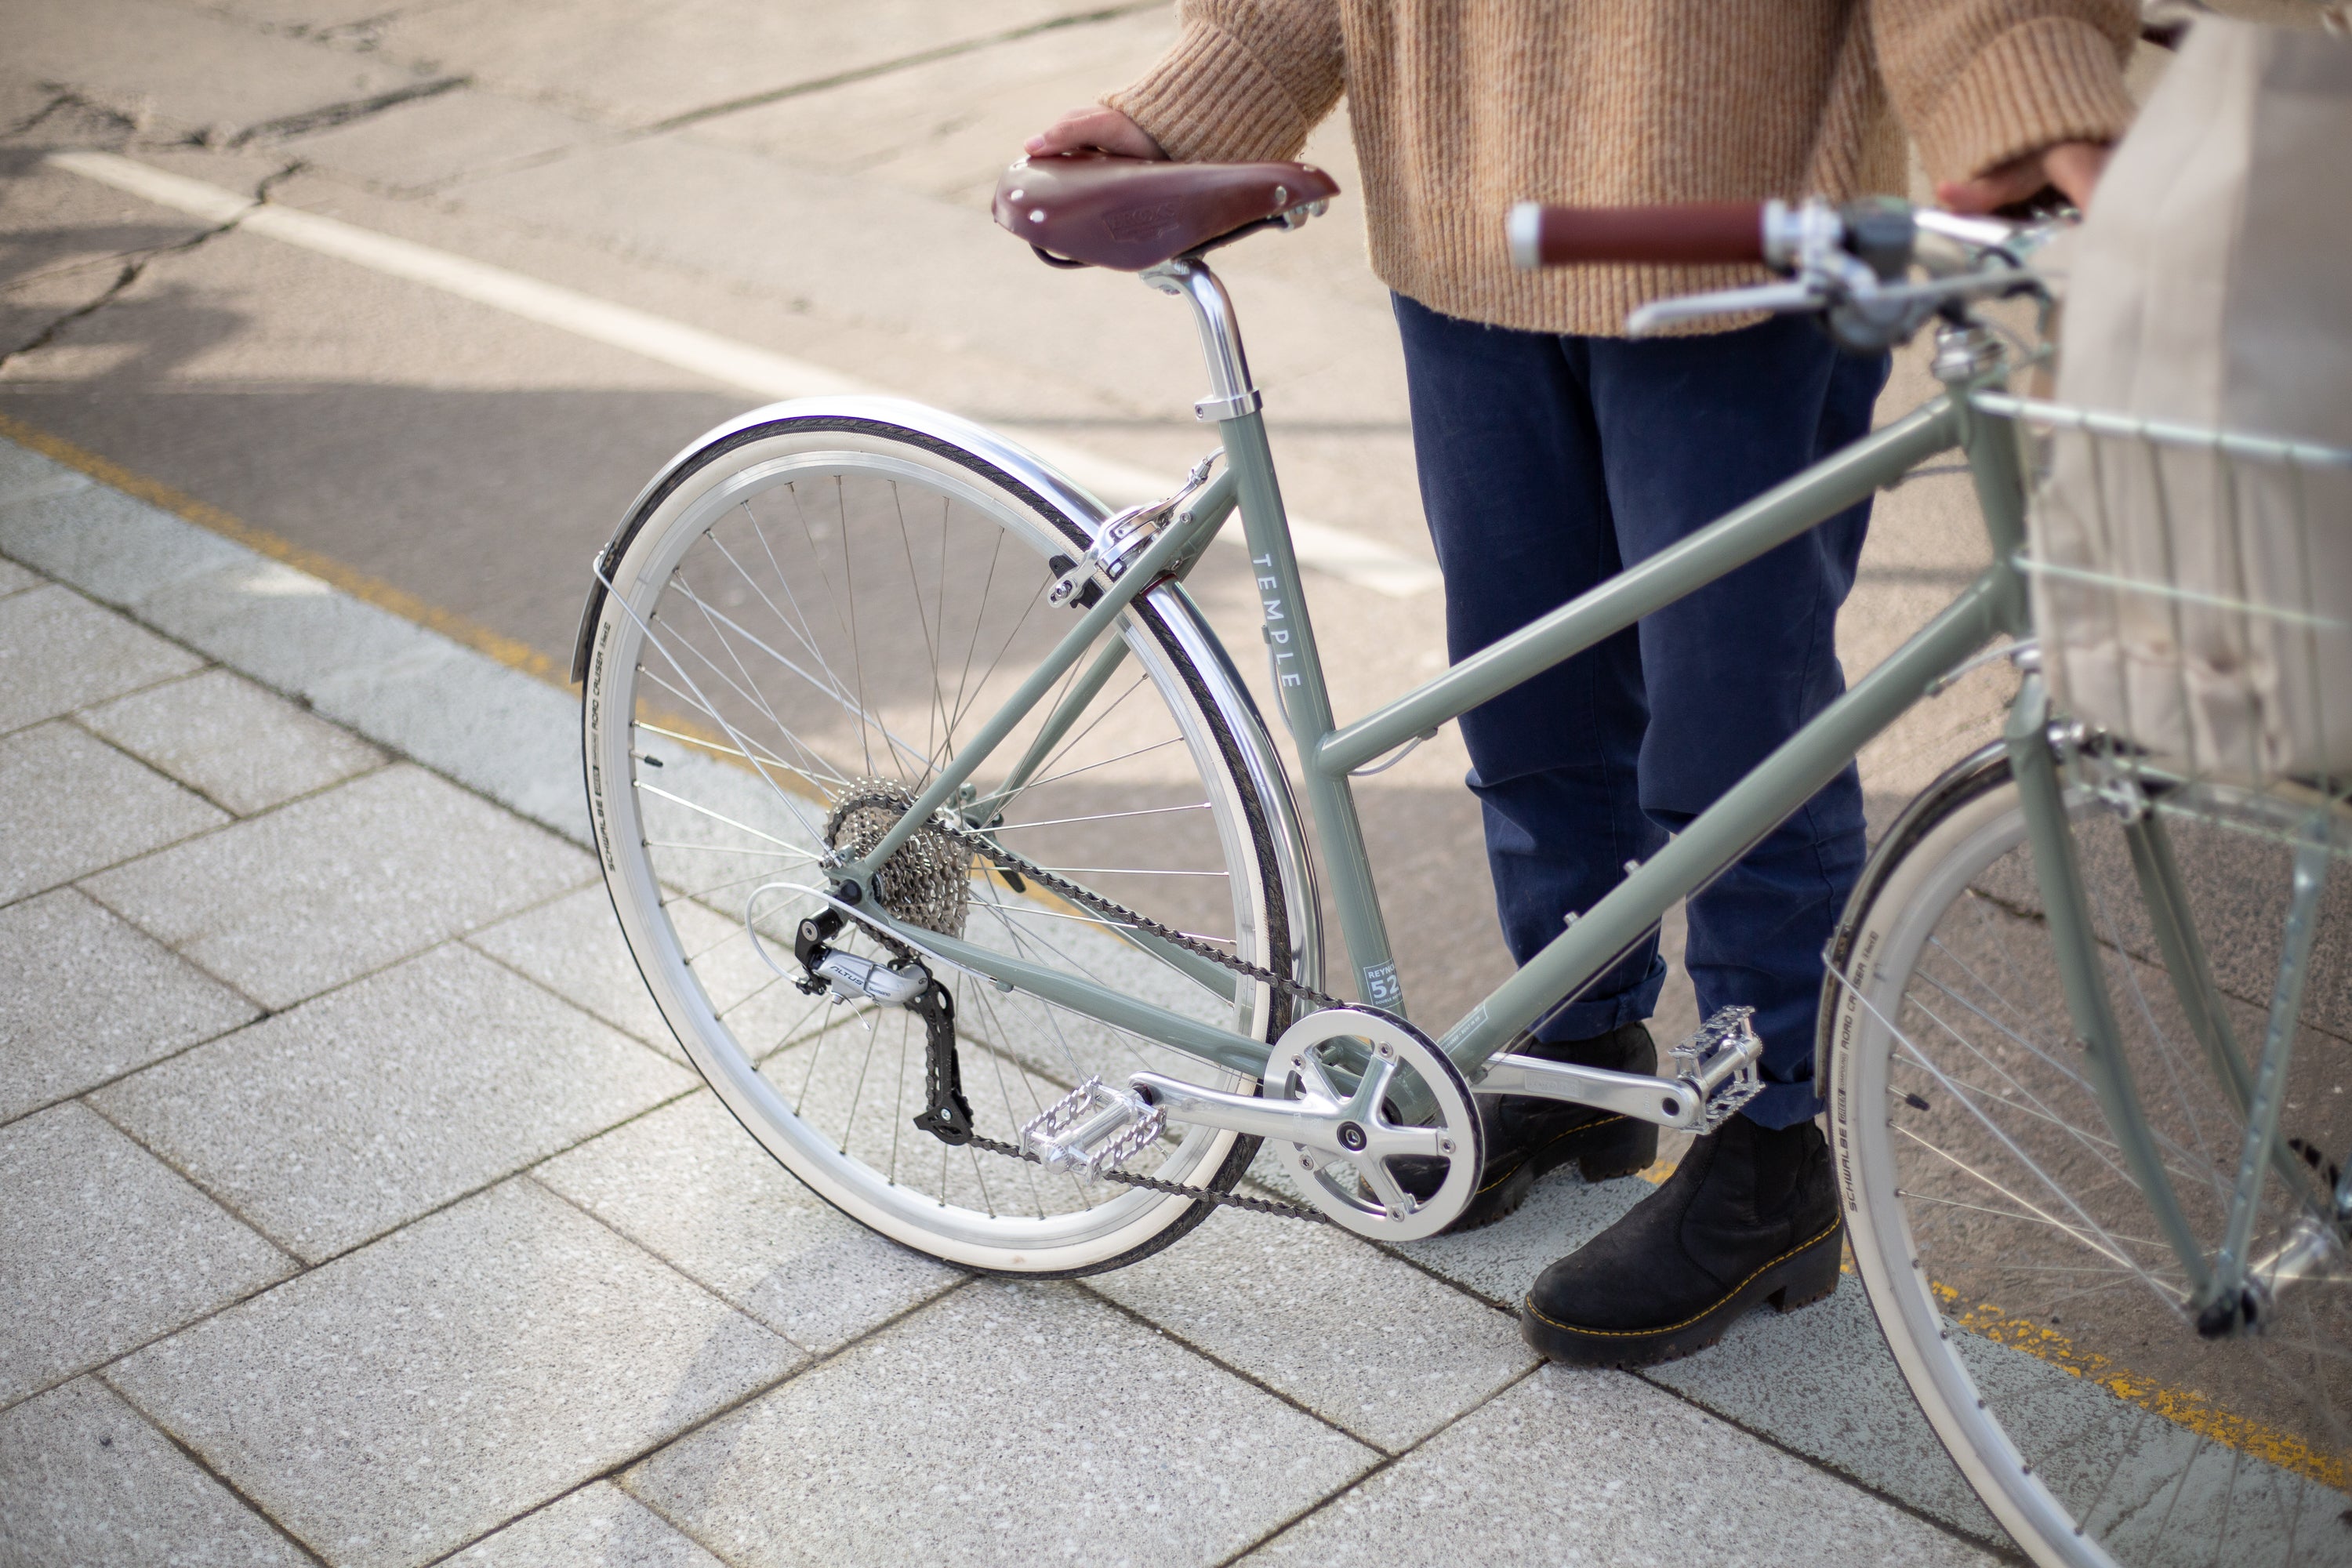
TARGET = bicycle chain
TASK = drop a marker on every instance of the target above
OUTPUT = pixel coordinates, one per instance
(1119, 914)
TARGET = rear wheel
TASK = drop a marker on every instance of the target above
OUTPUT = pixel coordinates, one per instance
(803, 624)
(2048, 1332)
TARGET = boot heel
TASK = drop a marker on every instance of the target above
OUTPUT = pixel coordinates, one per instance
(1812, 1274)
(1621, 1148)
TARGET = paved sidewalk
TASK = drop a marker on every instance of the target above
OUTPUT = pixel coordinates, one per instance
(359, 1209)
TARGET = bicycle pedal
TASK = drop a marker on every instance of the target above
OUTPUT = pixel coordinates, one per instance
(1716, 1066)
(1092, 1129)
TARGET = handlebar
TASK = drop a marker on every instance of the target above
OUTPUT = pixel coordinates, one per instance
(1851, 264)
(1682, 232)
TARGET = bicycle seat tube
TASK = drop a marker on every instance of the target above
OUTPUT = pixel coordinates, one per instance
(1233, 405)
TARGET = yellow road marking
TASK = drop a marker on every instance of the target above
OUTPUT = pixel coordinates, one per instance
(2184, 1408)
(507, 651)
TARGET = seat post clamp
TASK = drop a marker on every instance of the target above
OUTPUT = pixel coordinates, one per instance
(1212, 409)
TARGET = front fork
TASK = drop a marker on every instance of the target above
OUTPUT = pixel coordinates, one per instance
(2230, 1291)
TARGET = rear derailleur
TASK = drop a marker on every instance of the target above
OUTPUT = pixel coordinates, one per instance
(907, 983)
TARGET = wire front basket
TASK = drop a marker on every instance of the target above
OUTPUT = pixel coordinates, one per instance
(2192, 595)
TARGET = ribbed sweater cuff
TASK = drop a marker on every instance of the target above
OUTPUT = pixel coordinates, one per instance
(2055, 80)
(1208, 100)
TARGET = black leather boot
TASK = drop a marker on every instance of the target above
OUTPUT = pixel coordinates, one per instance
(1528, 1137)
(1750, 1215)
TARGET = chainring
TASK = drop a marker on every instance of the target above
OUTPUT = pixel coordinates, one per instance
(926, 884)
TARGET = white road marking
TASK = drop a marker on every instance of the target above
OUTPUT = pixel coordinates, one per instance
(1350, 556)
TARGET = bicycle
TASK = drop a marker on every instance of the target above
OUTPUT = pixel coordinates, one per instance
(882, 715)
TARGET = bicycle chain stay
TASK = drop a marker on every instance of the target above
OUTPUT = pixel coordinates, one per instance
(949, 1116)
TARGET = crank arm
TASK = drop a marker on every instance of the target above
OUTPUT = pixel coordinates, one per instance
(1718, 1077)
(1668, 1101)
(1327, 1126)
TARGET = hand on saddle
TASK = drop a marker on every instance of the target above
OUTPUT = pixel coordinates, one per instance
(1095, 129)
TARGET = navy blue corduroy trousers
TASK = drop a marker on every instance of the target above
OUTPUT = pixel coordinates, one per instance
(1549, 463)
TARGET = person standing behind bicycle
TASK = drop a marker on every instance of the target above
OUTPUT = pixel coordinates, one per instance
(1553, 452)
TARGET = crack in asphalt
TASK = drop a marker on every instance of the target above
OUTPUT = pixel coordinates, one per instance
(885, 68)
(66, 97)
(133, 120)
(362, 36)
(329, 116)
(136, 267)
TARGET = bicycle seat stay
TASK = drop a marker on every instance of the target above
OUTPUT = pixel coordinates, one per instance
(1130, 214)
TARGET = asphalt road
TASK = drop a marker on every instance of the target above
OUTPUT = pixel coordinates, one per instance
(801, 178)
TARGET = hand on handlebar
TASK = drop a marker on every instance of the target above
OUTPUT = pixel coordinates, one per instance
(1095, 129)
(2073, 166)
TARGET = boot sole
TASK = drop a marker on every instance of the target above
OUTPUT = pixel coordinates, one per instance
(1602, 1151)
(1799, 1278)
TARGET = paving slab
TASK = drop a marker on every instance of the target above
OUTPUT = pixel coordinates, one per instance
(1359, 1338)
(1500, 1262)
(15, 579)
(1821, 1382)
(71, 804)
(466, 715)
(598, 1525)
(573, 946)
(85, 998)
(1005, 1423)
(318, 893)
(285, 628)
(406, 1399)
(102, 1249)
(231, 740)
(110, 546)
(398, 683)
(689, 1185)
(1599, 1467)
(58, 652)
(25, 477)
(89, 1481)
(330, 1124)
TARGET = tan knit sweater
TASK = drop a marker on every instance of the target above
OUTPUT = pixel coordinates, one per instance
(1463, 107)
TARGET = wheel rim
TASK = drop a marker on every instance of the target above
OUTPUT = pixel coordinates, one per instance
(811, 684)
(2013, 1263)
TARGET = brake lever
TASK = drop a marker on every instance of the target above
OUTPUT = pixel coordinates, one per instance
(1802, 294)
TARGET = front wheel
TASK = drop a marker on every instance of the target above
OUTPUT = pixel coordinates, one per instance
(2047, 1331)
(805, 619)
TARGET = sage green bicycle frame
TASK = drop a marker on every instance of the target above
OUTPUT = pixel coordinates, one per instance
(1995, 602)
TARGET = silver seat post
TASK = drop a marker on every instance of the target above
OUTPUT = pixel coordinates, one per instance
(1231, 394)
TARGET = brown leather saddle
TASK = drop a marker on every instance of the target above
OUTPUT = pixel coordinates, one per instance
(1127, 214)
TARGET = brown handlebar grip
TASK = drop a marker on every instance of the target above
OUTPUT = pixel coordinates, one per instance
(1683, 232)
